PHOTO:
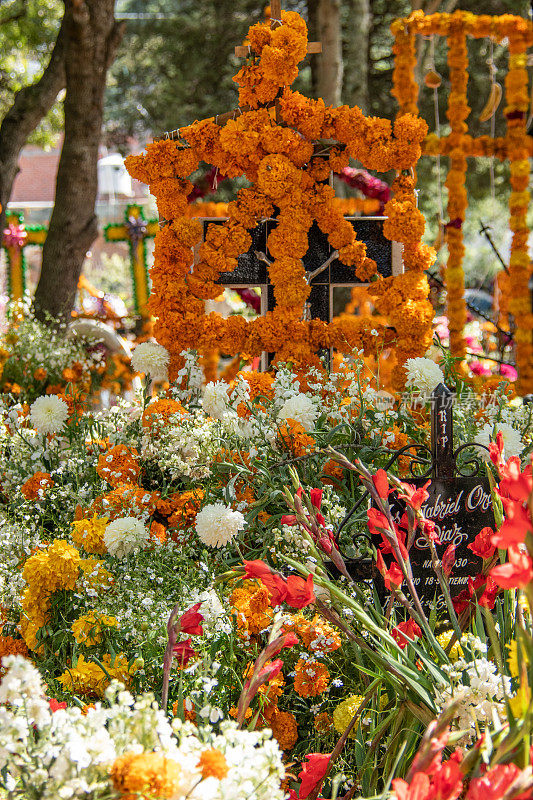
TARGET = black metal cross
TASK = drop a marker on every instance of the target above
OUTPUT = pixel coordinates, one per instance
(324, 271)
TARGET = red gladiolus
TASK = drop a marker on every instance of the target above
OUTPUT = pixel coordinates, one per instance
(393, 576)
(448, 560)
(406, 632)
(482, 545)
(430, 531)
(515, 484)
(494, 784)
(496, 450)
(381, 482)
(376, 520)
(313, 772)
(183, 652)
(461, 601)
(55, 705)
(189, 622)
(517, 572)
(271, 580)
(299, 593)
(515, 525)
(418, 789)
(414, 496)
(289, 519)
(316, 498)
(288, 640)
(325, 544)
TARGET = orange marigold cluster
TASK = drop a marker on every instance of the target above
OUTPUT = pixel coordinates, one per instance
(35, 488)
(118, 465)
(279, 148)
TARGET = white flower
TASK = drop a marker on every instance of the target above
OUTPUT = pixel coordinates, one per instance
(215, 399)
(512, 441)
(152, 359)
(423, 373)
(217, 524)
(125, 536)
(301, 409)
(48, 413)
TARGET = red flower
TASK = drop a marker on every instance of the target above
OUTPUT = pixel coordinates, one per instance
(183, 652)
(189, 622)
(418, 789)
(406, 632)
(55, 705)
(515, 525)
(288, 519)
(518, 571)
(381, 482)
(272, 580)
(494, 784)
(393, 576)
(376, 520)
(316, 498)
(448, 560)
(447, 782)
(430, 531)
(299, 593)
(496, 450)
(288, 640)
(313, 772)
(515, 484)
(461, 601)
(482, 545)
(414, 496)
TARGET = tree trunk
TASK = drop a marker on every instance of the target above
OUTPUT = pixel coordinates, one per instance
(31, 104)
(357, 55)
(329, 30)
(92, 36)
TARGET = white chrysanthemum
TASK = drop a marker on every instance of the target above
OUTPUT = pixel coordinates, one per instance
(152, 359)
(512, 441)
(217, 524)
(125, 536)
(423, 374)
(48, 413)
(301, 409)
(215, 399)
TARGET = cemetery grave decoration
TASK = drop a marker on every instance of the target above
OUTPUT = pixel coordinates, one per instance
(286, 146)
(457, 502)
(135, 230)
(515, 147)
(15, 240)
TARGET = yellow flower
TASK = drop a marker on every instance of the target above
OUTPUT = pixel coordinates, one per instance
(89, 534)
(344, 713)
(444, 640)
(89, 680)
(137, 775)
(87, 629)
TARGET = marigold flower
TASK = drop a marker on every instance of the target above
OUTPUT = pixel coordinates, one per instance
(137, 775)
(212, 764)
(311, 678)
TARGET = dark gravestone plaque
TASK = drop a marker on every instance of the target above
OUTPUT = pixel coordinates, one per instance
(460, 506)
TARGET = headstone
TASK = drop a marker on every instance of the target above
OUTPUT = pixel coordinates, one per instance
(460, 506)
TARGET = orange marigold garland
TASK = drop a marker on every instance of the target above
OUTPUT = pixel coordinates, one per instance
(516, 146)
(287, 150)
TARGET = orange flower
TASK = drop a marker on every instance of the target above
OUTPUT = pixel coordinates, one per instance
(119, 465)
(147, 775)
(35, 487)
(311, 678)
(212, 764)
(284, 729)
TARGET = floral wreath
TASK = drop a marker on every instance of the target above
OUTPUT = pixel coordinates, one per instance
(286, 145)
(516, 147)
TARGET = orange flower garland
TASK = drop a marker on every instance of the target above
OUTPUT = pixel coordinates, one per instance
(282, 152)
(516, 146)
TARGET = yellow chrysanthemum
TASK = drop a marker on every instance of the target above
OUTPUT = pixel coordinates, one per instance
(344, 713)
(444, 640)
(89, 680)
(89, 534)
(87, 629)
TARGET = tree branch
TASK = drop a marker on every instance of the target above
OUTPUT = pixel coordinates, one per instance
(31, 104)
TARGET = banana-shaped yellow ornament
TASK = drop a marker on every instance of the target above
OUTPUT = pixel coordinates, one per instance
(491, 106)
